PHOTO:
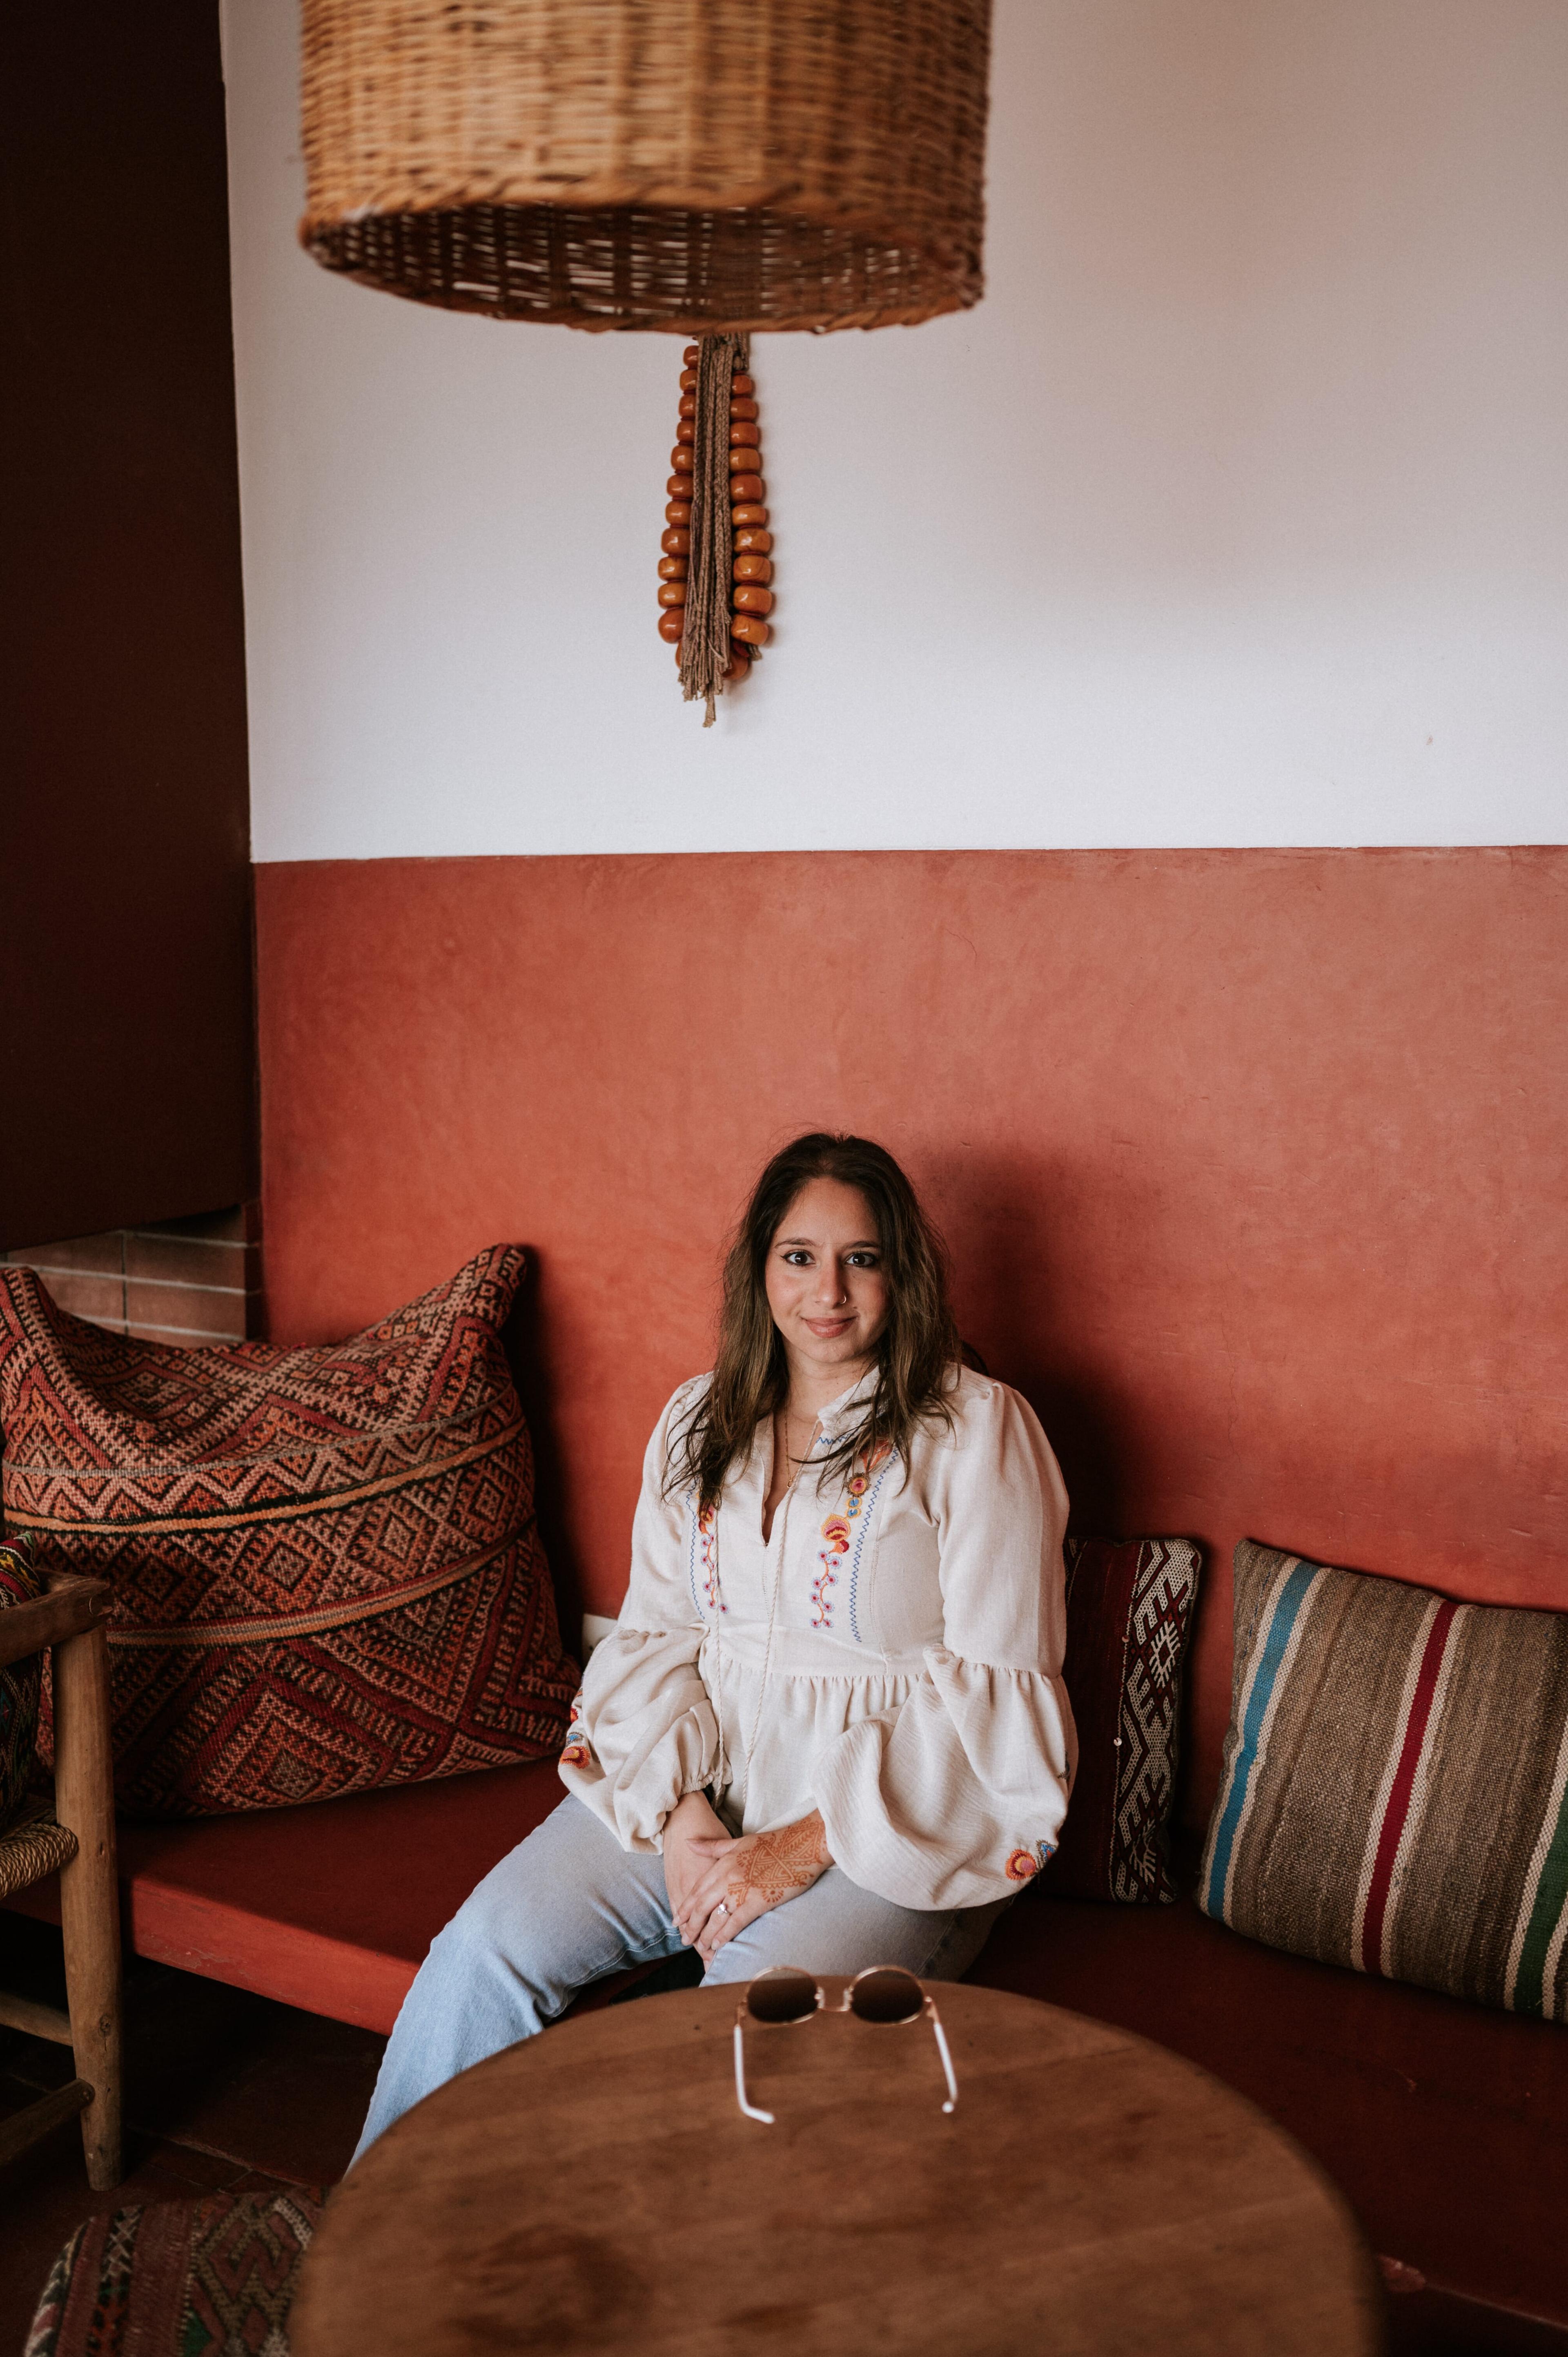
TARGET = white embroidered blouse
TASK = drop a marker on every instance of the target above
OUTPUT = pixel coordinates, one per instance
(891, 1655)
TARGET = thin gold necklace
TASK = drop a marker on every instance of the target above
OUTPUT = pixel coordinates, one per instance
(790, 1456)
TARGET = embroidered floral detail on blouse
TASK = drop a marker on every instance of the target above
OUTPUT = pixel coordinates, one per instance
(708, 1557)
(835, 1541)
(860, 1479)
(860, 1503)
(1022, 1865)
(577, 1753)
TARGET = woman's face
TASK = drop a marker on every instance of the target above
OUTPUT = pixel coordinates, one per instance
(825, 1282)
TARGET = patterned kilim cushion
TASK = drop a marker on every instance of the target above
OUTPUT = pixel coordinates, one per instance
(212, 2278)
(20, 1582)
(1394, 1783)
(326, 1570)
(1129, 1606)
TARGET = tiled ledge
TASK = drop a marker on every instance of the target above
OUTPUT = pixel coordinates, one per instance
(184, 1281)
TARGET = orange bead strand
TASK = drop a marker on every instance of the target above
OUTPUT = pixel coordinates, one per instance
(750, 597)
(675, 544)
(751, 594)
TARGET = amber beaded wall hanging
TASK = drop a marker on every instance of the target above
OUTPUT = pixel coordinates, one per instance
(708, 170)
(714, 596)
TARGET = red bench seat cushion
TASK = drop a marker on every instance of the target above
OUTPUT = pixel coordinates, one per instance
(329, 1907)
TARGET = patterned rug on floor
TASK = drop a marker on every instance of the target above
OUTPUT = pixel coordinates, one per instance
(212, 2278)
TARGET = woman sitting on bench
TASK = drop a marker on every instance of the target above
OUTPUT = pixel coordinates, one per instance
(830, 1728)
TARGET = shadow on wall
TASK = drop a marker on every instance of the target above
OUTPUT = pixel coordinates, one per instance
(526, 1339)
(1007, 1224)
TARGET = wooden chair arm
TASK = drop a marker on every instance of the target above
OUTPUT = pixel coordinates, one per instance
(72, 1605)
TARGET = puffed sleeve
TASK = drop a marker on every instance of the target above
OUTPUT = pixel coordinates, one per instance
(643, 1731)
(958, 1796)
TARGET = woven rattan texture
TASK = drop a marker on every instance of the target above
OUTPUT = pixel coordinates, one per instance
(689, 165)
(32, 1847)
(20, 1581)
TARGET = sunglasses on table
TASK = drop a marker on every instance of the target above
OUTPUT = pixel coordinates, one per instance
(884, 1993)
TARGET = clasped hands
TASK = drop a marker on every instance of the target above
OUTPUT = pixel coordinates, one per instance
(717, 1885)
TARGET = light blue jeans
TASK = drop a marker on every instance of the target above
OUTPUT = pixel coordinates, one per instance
(569, 1905)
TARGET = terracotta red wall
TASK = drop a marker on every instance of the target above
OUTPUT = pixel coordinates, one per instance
(1251, 1162)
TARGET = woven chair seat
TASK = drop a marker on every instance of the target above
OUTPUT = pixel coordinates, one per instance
(34, 1845)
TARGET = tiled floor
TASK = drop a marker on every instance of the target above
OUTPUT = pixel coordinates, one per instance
(226, 2091)
(223, 2091)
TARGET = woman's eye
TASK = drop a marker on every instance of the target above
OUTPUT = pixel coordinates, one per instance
(797, 1259)
(862, 1260)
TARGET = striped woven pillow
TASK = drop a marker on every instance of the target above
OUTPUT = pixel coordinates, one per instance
(1393, 1788)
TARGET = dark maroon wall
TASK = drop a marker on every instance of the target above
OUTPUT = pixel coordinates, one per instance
(127, 1063)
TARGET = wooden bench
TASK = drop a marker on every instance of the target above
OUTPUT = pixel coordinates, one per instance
(1445, 2123)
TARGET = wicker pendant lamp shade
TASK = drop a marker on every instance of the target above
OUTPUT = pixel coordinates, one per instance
(699, 166)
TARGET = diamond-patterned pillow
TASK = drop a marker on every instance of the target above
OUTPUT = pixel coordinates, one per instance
(1129, 1609)
(215, 2275)
(326, 1569)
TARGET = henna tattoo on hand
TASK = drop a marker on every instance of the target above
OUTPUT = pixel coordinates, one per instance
(775, 1866)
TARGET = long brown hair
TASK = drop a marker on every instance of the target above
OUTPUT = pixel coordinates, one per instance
(916, 1350)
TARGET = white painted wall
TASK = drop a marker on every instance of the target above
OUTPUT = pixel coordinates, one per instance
(1238, 513)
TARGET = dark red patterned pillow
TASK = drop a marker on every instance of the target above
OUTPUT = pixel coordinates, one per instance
(1129, 1607)
(326, 1569)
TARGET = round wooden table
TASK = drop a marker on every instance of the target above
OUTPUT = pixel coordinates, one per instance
(596, 2193)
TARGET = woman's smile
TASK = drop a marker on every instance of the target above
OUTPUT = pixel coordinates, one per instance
(827, 1289)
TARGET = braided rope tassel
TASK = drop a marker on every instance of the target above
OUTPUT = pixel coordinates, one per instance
(716, 454)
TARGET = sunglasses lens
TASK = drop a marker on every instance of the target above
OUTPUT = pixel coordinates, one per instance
(888, 1994)
(783, 1993)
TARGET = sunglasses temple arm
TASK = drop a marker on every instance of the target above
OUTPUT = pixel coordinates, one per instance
(749, 2108)
(941, 2036)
